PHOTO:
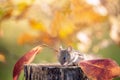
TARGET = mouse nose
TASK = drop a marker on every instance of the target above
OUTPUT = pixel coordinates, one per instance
(62, 63)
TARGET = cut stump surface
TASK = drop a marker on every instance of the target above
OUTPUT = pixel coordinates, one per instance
(53, 72)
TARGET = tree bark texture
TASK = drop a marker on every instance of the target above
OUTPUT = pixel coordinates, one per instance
(53, 72)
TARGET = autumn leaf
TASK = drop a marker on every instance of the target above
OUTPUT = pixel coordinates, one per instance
(1, 33)
(22, 6)
(2, 57)
(100, 69)
(62, 26)
(26, 38)
(83, 13)
(47, 39)
(65, 23)
(56, 24)
(37, 25)
(26, 59)
(5, 10)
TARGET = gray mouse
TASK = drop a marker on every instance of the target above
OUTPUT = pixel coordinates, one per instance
(69, 56)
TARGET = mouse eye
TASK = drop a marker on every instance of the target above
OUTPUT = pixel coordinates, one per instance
(64, 58)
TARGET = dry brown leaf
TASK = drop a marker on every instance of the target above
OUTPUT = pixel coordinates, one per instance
(100, 69)
(26, 59)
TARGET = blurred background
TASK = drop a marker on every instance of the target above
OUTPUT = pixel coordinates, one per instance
(90, 26)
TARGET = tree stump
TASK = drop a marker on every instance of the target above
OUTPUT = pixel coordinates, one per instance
(53, 72)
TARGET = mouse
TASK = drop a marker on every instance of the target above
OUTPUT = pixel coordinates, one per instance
(69, 56)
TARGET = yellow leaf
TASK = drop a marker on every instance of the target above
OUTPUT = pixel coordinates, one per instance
(2, 58)
(1, 33)
(22, 6)
(67, 28)
(83, 13)
(37, 25)
(26, 38)
(47, 39)
(61, 26)
(56, 24)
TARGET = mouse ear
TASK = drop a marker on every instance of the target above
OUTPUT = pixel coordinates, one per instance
(69, 49)
(60, 48)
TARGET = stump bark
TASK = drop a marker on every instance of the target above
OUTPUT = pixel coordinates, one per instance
(53, 72)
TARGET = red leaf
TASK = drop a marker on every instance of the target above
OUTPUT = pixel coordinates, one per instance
(100, 69)
(26, 59)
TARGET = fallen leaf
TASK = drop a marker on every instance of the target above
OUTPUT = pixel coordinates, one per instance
(26, 59)
(100, 69)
